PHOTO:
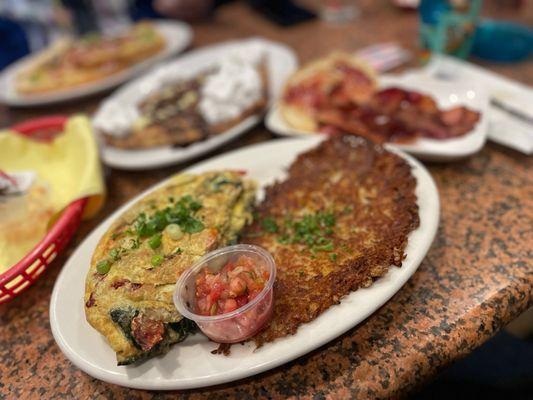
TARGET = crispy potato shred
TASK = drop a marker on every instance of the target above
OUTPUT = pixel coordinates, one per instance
(368, 196)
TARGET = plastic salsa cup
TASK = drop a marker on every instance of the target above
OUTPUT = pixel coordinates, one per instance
(239, 324)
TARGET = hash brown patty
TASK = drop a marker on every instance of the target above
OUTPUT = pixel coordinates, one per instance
(371, 194)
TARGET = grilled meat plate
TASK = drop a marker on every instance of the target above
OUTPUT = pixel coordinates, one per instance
(337, 223)
(135, 266)
(171, 117)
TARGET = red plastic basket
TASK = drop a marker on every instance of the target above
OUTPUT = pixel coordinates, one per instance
(20, 276)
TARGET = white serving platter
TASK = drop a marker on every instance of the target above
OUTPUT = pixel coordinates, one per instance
(447, 95)
(281, 62)
(190, 364)
(178, 36)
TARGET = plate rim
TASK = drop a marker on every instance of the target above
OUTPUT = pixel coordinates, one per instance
(111, 377)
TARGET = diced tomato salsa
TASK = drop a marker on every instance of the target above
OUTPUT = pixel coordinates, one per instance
(234, 285)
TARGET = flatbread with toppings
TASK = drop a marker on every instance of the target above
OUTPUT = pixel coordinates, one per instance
(71, 63)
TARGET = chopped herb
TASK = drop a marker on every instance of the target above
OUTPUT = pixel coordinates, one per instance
(143, 229)
(103, 267)
(328, 219)
(181, 213)
(325, 247)
(218, 181)
(114, 254)
(311, 230)
(284, 239)
(347, 209)
(333, 257)
(178, 250)
(269, 224)
(135, 243)
(195, 206)
(158, 222)
(322, 240)
(192, 225)
(155, 241)
(157, 259)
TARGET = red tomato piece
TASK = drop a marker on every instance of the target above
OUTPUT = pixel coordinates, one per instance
(233, 286)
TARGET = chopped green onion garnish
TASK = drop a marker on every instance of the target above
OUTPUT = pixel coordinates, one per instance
(311, 230)
(180, 213)
(114, 254)
(157, 259)
(192, 225)
(269, 224)
(155, 241)
(325, 247)
(174, 231)
(103, 267)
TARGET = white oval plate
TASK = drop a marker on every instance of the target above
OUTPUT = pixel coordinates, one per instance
(281, 62)
(446, 94)
(190, 364)
(178, 36)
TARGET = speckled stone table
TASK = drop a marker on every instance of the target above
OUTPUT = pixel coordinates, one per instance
(477, 276)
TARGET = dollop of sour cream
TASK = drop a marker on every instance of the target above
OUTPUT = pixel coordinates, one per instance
(234, 86)
(116, 119)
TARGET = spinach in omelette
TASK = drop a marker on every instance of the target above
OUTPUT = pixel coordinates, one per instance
(129, 286)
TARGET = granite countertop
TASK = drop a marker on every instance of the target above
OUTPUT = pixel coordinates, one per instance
(477, 276)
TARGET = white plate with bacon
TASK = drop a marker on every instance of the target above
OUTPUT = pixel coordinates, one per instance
(431, 119)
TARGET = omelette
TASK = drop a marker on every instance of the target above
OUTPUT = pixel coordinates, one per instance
(337, 223)
(134, 268)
